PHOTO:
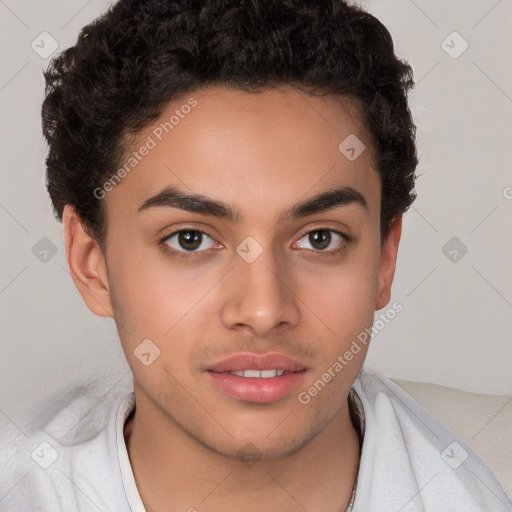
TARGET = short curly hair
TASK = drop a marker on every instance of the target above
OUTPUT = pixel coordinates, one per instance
(137, 56)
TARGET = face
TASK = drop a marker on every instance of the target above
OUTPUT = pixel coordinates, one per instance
(238, 277)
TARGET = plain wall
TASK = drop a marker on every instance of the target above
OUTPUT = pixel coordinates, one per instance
(456, 323)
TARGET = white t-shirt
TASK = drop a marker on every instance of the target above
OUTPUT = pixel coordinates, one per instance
(409, 461)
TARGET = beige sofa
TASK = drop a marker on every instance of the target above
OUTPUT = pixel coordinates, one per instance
(484, 422)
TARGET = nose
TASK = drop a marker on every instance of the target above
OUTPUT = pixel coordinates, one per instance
(261, 298)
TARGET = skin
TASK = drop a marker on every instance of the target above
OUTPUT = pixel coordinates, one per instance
(260, 153)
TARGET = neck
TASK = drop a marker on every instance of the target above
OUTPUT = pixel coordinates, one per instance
(171, 467)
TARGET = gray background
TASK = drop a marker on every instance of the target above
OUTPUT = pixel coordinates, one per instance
(456, 323)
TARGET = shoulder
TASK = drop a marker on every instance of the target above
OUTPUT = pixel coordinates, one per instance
(411, 460)
(65, 457)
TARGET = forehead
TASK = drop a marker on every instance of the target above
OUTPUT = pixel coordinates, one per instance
(248, 147)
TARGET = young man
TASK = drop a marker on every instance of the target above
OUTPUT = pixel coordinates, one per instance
(231, 177)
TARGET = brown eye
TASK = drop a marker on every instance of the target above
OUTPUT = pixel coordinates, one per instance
(323, 239)
(320, 239)
(188, 240)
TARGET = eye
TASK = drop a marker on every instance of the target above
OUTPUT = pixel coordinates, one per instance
(188, 241)
(322, 239)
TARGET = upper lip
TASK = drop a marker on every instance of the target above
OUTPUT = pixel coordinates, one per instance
(248, 361)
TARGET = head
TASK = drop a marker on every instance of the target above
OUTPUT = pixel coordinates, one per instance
(232, 177)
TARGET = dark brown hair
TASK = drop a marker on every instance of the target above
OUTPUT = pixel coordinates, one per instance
(128, 63)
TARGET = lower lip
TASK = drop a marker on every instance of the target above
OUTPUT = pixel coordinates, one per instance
(253, 389)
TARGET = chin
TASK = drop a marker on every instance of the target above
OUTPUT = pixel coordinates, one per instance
(266, 446)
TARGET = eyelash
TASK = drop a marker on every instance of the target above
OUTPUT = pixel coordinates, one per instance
(197, 254)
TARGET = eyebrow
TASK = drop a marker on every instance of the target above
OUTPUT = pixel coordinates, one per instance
(196, 203)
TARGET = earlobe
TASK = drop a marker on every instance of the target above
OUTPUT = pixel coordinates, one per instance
(86, 264)
(387, 263)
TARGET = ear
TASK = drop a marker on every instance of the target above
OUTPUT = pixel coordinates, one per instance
(387, 263)
(86, 264)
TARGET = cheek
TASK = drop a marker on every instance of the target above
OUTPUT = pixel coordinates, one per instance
(343, 296)
(142, 290)
(156, 296)
(154, 300)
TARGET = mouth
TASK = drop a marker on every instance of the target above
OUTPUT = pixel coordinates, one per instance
(256, 374)
(261, 378)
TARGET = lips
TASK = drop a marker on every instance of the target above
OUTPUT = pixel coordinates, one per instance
(259, 378)
(261, 362)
